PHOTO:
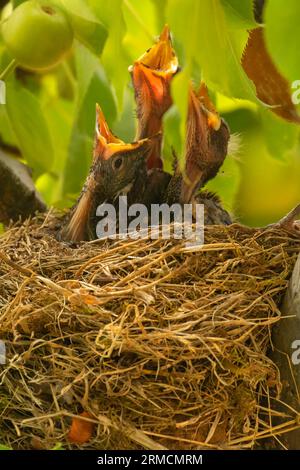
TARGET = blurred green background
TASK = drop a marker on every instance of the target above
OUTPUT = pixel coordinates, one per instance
(48, 120)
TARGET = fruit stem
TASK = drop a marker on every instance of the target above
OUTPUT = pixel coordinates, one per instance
(9, 69)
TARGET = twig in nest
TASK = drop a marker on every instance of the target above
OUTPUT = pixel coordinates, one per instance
(289, 221)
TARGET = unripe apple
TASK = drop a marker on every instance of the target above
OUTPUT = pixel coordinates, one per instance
(37, 34)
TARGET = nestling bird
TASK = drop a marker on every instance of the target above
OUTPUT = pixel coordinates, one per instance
(207, 139)
(207, 133)
(135, 169)
(151, 77)
(117, 169)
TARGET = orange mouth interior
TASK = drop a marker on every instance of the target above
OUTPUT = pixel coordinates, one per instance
(213, 117)
(107, 144)
(102, 128)
(161, 57)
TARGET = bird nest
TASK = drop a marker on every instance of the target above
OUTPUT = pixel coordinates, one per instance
(159, 346)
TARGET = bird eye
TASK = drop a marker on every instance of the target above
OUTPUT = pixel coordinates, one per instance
(118, 163)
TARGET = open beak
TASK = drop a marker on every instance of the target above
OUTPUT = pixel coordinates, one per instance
(102, 128)
(201, 157)
(160, 58)
(154, 70)
(202, 117)
(151, 76)
(107, 144)
(213, 117)
(103, 136)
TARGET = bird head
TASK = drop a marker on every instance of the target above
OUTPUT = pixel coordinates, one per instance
(207, 137)
(116, 164)
(115, 169)
(152, 74)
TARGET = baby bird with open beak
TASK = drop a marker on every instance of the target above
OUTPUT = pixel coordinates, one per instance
(151, 77)
(207, 139)
(117, 169)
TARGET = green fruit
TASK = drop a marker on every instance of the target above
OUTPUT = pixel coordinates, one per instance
(38, 34)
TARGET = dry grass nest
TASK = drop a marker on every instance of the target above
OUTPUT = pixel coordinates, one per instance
(163, 347)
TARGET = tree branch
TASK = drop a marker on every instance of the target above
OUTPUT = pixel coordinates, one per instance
(18, 195)
(285, 335)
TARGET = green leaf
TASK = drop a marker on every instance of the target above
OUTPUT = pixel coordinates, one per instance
(58, 114)
(87, 68)
(114, 58)
(172, 139)
(142, 27)
(87, 27)
(16, 3)
(160, 11)
(239, 13)
(86, 65)
(281, 136)
(91, 34)
(180, 91)
(131, 33)
(6, 134)
(81, 143)
(96, 89)
(226, 183)
(269, 187)
(125, 126)
(28, 122)
(209, 43)
(283, 35)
